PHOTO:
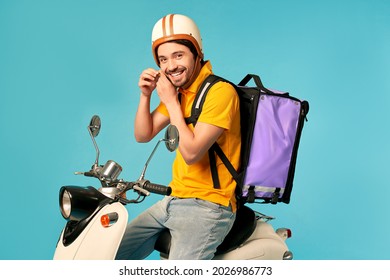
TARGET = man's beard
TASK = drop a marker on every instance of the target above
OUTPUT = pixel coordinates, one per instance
(182, 71)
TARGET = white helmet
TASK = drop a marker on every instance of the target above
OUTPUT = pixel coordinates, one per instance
(176, 27)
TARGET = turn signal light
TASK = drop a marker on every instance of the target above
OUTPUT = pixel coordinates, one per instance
(109, 219)
(284, 233)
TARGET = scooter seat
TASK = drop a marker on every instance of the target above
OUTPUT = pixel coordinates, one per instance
(243, 227)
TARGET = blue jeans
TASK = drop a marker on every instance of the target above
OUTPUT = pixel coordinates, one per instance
(197, 228)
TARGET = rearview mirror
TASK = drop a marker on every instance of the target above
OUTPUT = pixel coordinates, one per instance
(95, 125)
(171, 138)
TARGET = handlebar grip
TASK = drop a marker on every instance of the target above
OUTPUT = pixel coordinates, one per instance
(158, 189)
(89, 174)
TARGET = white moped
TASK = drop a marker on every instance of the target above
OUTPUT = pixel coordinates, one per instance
(97, 217)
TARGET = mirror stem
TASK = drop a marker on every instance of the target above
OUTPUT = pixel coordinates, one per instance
(96, 146)
(150, 157)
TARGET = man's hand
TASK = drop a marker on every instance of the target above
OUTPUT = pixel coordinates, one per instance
(166, 90)
(148, 81)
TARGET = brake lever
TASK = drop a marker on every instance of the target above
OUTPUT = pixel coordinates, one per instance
(141, 190)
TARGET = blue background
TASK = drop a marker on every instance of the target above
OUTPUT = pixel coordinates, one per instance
(63, 61)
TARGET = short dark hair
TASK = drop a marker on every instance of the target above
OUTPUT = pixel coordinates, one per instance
(188, 44)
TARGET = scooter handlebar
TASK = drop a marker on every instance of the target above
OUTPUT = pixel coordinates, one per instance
(89, 174)
(157, 189)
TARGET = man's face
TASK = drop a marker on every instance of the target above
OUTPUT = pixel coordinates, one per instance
(177, 62)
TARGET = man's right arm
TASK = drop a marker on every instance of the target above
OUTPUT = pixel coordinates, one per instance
(148, 124)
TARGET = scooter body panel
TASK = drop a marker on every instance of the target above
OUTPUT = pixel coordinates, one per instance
(263, 244)
(96, 242)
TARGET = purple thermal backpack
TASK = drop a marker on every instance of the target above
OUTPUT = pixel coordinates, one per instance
(271, 126)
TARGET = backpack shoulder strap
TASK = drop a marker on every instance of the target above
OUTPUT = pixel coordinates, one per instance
(201, 97)
(215, 149)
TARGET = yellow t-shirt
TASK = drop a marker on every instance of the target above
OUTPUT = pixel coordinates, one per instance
(221, 108)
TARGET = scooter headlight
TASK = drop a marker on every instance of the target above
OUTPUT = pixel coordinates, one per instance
(78, 203)
(65, 204)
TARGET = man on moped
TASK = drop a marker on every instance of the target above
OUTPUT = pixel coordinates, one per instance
(198, 214)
